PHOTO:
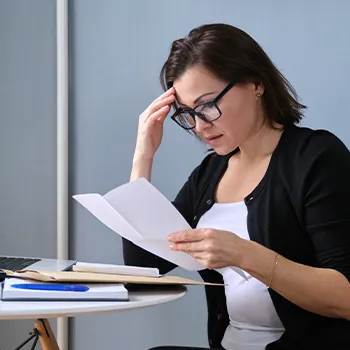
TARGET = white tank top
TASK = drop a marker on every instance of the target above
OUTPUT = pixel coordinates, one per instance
(254, 322)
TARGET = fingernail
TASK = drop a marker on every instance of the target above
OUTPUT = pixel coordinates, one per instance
(171, 246)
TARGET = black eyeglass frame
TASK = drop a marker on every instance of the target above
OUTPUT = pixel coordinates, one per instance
(193, 113)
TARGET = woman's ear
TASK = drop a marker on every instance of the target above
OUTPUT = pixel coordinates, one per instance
(259, 88)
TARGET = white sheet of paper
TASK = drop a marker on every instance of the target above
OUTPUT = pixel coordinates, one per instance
(103, 211)
(149, 211)
(116, 269)
(140, 213)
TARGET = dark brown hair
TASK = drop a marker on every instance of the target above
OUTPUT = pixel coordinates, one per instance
(233, 56)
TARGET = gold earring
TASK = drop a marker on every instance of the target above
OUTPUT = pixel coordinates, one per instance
(258, 94)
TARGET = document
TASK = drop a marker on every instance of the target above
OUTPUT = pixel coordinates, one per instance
(116, 269)
(140, 213)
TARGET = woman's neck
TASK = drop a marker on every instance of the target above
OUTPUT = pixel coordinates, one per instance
(261, 143)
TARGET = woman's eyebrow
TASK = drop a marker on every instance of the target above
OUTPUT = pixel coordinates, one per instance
(198, 99)
(204, 95)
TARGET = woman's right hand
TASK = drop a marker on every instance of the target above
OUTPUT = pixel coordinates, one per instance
(150, 130)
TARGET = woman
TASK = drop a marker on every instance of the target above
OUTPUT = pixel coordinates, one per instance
(271, 198)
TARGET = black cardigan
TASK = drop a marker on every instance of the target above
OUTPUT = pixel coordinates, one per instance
(300, 209)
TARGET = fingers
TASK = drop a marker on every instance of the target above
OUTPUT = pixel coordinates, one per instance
(161, 103)
(210, 261)
(166, 94)
(159, 108)
(163, 116)
(187, 236)
(159, 115)
(187, 247)
(204, 261)
(165, 99)
(189, 241)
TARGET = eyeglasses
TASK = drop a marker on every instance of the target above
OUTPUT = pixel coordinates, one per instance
(208, 111)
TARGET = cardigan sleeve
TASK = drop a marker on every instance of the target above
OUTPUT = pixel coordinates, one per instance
(136, 256)
(327, 200)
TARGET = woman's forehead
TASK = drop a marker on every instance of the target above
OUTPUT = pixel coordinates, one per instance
(194, 83)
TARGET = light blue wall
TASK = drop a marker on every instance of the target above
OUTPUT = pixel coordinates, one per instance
(27, 138)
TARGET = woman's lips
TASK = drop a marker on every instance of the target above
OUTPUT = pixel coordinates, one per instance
(213, 139)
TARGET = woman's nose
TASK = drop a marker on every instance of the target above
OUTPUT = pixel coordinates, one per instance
(201, 125)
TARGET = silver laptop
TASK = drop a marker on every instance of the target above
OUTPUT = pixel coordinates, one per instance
(29, 263)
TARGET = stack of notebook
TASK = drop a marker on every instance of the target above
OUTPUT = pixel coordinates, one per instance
(31, 290)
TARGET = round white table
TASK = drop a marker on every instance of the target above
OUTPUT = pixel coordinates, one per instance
(42, 310)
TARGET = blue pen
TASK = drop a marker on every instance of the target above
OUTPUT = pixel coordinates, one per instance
(55, 287)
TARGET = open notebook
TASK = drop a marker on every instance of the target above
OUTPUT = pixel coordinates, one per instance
(95, 292)
(87, 277)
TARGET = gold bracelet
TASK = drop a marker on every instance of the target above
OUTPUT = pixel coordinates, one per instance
(274, 269)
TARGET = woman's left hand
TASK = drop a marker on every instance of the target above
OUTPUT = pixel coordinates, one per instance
(213, 248)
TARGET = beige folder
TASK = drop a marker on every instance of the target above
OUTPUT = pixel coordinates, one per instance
(87, 277)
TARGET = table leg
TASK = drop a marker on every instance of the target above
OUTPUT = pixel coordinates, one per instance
(46, 337)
